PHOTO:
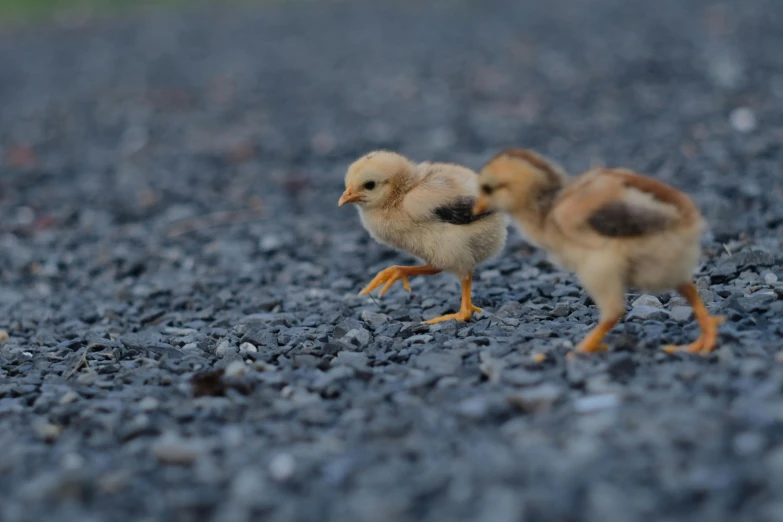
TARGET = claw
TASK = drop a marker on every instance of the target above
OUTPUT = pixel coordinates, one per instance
(466, 308)
(459, 316)
(705, 344)
(388, 277)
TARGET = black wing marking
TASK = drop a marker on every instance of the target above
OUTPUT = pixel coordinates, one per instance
(619, 219)
(460, 212)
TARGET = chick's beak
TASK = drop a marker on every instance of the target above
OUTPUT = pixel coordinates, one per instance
(482, 203)
(348, 197)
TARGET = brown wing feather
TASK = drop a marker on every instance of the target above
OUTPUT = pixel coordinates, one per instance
(615, 203)
(660, 191)
(619, 219)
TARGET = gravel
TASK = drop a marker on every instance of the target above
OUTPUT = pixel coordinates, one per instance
(179, 290)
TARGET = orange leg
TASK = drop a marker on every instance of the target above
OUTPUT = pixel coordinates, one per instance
(592, 343)
(705, 344)
(466, 309)
(394, 273)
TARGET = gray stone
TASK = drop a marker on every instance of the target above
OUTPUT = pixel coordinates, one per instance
(753, 257)
(236, 369)
(247, 348)
(723, 272)
(562, 310)
(594, 403)
(282, 467)
(149, 404)
(226, 347)
(345, 326)
(419, 339)
(510, 310)
(172, 449)
(491, 367)
(645, 300)
(355, 360)
(647, 313)
(374, 319)
(681, 314)
(758, 302)
(440, 363)
(537, 399)
(358, 337)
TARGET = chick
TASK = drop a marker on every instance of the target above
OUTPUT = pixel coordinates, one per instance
(616, 229)
(425, 210)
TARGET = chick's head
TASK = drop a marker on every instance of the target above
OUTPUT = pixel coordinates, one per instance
(513, 178)
(374, 179)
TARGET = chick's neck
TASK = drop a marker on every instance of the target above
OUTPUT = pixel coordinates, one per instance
(532, 214)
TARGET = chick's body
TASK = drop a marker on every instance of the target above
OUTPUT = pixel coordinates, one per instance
(614, 228)
(425, 210)
(604, 228)
(425, 222)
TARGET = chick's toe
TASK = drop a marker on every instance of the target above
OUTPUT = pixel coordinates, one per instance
(466, 309)
(464, 314)
(593, 342)
(389, 276)
(706, 342)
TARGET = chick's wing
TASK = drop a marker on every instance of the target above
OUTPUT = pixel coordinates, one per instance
(617, 204)
(446, 194)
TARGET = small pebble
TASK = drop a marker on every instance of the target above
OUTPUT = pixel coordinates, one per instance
(172, 449)
(647, 300)
(224, 348)
(69, 397)
(743, 119)
(358, 337)
(648, 313)
(681, 314)
(748, 443)
(149, 404)
(374, 319)
(247, 348)
(596, 402)
(49, 432)
(236, 369)
(282, 467)
(537, 399)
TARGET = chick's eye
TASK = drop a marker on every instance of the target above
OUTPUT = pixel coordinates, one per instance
(369, 185)
(486, 189)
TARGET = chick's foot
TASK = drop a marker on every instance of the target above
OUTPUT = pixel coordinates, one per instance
(706, 342)
(462, 315)
(466, 309)
(389, 276)
(592, 343)
(708, 339)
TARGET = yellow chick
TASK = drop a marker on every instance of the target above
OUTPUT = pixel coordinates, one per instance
(614, 228)
(425, 210)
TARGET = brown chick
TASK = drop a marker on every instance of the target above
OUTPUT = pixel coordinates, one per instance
(614, 228)
(425, 210)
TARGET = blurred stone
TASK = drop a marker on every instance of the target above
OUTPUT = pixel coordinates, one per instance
(743, 119)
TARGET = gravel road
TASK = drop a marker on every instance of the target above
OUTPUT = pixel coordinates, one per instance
(179, 286)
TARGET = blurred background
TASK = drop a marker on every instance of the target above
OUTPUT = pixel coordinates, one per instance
(138, 94)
